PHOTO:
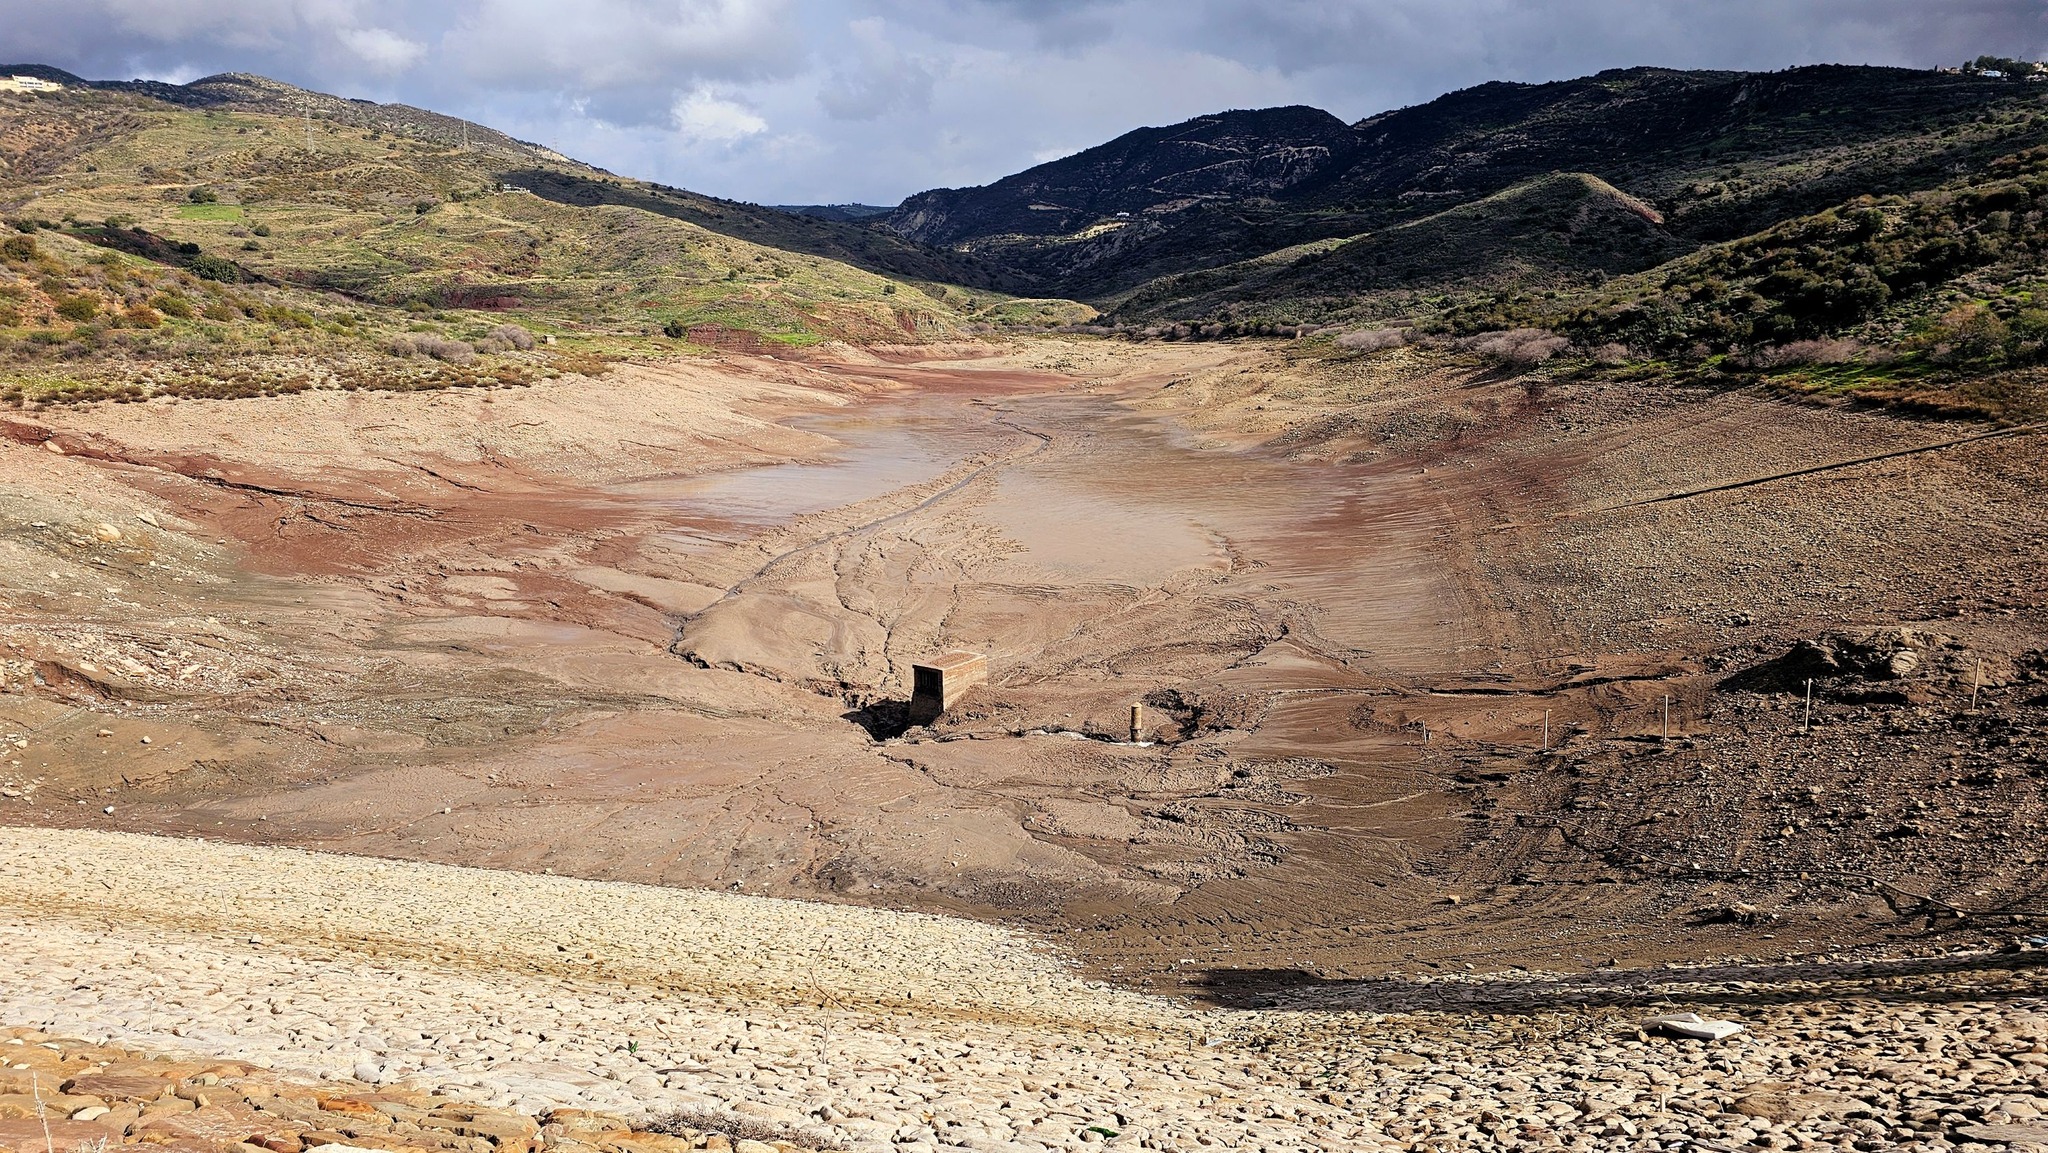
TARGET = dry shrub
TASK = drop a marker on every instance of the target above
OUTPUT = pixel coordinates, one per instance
(505, 338)
(438, 347)
(1519, 346)
(1807, 352)
(1801, 353)
(1610, 355)
(579, 362)
(1373, 339)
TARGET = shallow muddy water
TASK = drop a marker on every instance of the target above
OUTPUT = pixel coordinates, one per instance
(879, 447)
(1125, 497)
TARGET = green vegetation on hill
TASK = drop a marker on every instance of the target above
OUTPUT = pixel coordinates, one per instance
(1840, 270)
(1561, 230)
(1939, 298)
(1858, 232)
(1865, 232)
(80, 321)
(168, 239)
(1718, 154)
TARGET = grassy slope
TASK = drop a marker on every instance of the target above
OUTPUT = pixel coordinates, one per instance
(330, 252)
(1931, 295)
(502, 158)
(1553, 231)
(1938, 299)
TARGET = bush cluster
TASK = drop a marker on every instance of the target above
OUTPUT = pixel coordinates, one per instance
(1519, 347)
(1373, 339)
(506, 338)
(438, 347)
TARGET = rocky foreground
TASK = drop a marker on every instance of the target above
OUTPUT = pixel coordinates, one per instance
(390, 1006)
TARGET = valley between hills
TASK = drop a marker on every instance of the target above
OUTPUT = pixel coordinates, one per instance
(488, 694)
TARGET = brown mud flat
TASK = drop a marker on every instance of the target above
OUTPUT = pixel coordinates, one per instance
(658, 628)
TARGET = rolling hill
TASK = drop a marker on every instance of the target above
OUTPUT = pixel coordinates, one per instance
(171, 238)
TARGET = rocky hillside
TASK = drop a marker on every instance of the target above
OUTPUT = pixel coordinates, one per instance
(1151, 171)
(1561, 229)
(1717, 154)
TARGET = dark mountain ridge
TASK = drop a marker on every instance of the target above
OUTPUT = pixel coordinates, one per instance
(835, 211)
(1227, 155)
(1718, 154)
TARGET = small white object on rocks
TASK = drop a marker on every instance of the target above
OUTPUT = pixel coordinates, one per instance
(1695, 1026)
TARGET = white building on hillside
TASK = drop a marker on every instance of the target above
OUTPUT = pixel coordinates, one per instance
(29, 84)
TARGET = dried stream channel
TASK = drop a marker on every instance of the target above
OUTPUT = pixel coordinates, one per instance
(660, 630)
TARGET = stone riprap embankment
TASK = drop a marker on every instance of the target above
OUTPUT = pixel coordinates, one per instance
(877, 1029)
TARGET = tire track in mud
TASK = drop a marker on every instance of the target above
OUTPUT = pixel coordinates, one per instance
(1832, 466)
(739, 586)
(1044, 441)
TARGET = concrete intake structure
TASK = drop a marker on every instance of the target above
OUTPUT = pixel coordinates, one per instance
(939, 683)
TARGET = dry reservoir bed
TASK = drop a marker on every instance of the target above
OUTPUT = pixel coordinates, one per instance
(657, 629)
(880, 1029)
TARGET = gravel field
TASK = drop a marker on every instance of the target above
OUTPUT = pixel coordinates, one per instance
(885, 1029)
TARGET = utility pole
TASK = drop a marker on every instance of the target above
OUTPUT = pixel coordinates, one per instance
(308, 114)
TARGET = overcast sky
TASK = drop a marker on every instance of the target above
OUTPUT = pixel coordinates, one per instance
(808, 101)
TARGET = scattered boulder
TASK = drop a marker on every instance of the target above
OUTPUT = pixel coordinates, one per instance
(1889, 666)
(1739, 913)
(2021, 1135)
(1694, 1026)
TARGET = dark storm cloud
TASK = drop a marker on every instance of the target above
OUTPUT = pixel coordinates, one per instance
(1562, 37)
(800, 100)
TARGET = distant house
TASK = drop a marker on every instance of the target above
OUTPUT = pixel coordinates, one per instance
(2037, 77)
(1992, 74)
(29, 84)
